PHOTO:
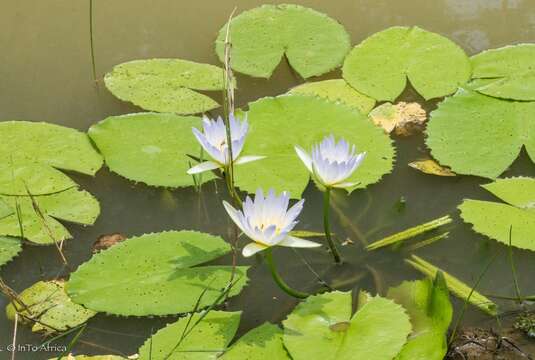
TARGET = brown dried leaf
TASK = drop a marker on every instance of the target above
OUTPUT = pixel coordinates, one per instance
(430, 166)
(403, 118)
(106, 241)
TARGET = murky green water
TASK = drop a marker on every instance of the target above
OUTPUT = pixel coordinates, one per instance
(45, 75)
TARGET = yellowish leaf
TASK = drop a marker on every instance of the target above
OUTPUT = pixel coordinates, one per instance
(430, 166)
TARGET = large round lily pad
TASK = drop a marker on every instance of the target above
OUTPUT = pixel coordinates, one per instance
(323, 327)
(278, 124)
(48, 308)
(32, 178)
(206, 340)
(380, 65)
(430, 310)
(509, 72)
(262, 342)
(313, 42)
(150, 148)
(39, 215)
(480, 135)
(166, 85)
(338, 91)
(58, 146)
(9, 248)
(155, 274)
(495, 220)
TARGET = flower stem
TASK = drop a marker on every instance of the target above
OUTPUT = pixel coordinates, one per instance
(280, 282)
(327, 226)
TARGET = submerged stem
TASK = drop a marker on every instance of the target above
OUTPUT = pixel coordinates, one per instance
(280, 282)
(327, 226)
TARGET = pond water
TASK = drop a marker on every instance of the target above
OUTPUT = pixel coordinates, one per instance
(46, 75)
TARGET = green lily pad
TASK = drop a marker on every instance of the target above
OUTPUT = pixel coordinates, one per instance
(322, 327)
(35, 178)
(9, 248)
(63, 148)
(480, 135)
(338, 91)
(96, 357)
(313, 43)
(495, 220)
(430, 311)
(166, 85)
(380, 65)
(278, 124)
(149, 147)
(71, 205)
(509, 72)
(206, 340)
(262, 342)
(155, 274)
(48, 308)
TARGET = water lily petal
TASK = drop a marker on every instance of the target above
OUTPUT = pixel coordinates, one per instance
(305, 158)
(235, 216)
(248, 158)
(204, 166)
(292, 241)
(252, 248)
(345, 185)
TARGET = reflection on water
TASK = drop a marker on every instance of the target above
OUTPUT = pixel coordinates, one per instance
(46, 75)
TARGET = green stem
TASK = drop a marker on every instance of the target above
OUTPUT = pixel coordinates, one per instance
(280, 282)
(327, 226)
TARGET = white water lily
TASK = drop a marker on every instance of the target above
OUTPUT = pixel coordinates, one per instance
(332, 163)
(268, 222)
(214, 142)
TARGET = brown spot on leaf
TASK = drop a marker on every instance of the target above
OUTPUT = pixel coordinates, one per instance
(106, 241)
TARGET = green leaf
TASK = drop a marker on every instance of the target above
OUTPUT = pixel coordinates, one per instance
(479, 135)
(49, 308)
(9, 248)
(517, 191)
(155, 274)
(71, 205)
(206, 340)
(313, 42)
(430, 310)
(509, 71)
(337, 91)
(322, 327)
(456, 286)
(38, 179)
(262, 342)
(148, 147)
(380, 65)
(278, 124)
(96, 357)
(63, 148)
(166, 85)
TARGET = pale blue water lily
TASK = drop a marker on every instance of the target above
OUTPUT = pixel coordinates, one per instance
(268, 222)
(331, 162)
(213, 139)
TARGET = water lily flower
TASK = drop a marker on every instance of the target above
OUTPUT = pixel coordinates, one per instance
(331, 162)
(214, 142)
(268, 222)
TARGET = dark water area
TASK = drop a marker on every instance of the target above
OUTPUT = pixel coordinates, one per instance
(46, 75)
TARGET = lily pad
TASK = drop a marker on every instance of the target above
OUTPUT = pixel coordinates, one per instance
(9, 248)
(262, 342)
(480, 135)
(63, 148)
(206, 340)
(155, 274)
(322, 327)
(495, 220)
(509, 72)
(430, 311)
(338, 91)
(404, 119)
(35, 178)
(148, 147)
(47, 308)
(313, 43)
(278, 124)
(380, 65)
(95, 357)
(42, 226)
(166, 85)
